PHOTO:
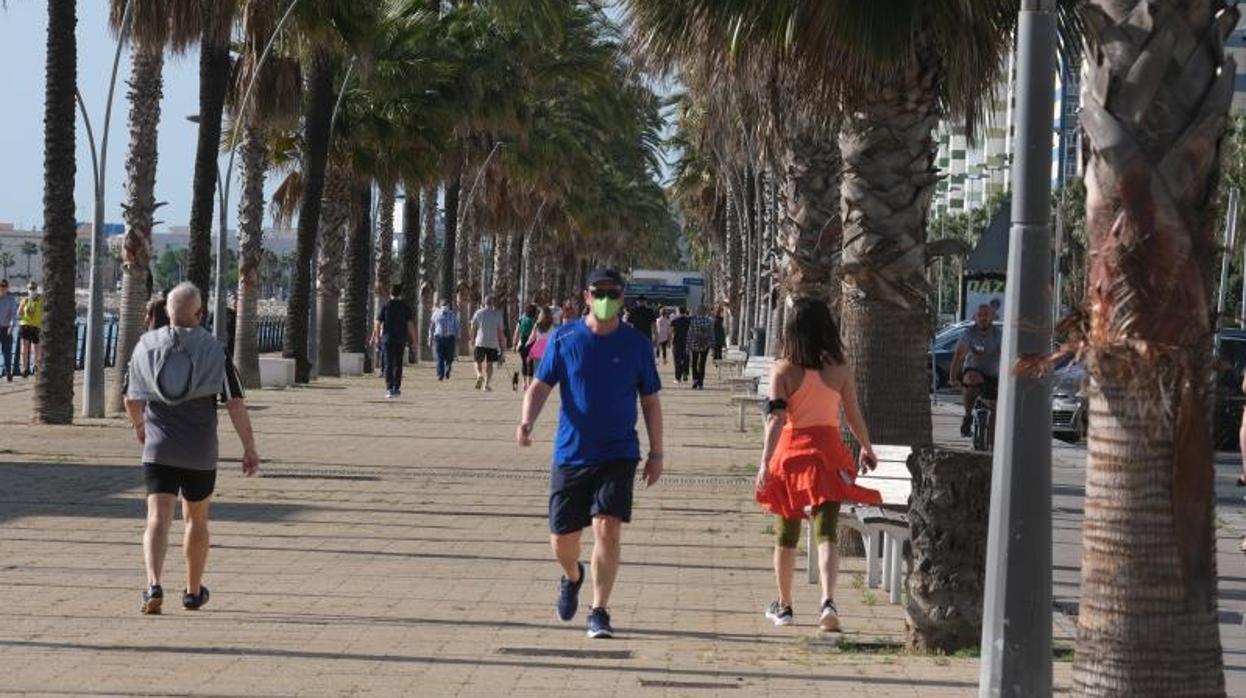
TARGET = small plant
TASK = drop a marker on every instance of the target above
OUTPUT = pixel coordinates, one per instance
(869, 598)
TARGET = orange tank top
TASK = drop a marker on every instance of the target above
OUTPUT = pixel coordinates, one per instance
(814, 404)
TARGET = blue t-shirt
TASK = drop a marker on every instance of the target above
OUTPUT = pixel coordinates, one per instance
(599, 379)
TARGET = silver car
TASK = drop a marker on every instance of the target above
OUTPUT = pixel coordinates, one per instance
(1068, 403)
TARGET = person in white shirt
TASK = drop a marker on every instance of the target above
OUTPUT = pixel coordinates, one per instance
(489, 332)
(662, 333)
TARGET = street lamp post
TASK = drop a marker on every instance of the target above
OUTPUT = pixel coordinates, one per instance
(1016, 628)
(93, 362)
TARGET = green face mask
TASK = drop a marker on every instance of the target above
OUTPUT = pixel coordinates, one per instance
(606, 309)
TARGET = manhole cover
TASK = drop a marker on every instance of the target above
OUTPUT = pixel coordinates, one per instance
(567, 653)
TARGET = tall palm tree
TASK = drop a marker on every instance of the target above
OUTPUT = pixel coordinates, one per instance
(154, 25)
(383, 274)
(54, 386)
(355, 290)
(334, 218)
(1155, 109)
(29, 250)
(214, 73)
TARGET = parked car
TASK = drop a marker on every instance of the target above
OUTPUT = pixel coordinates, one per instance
(1069, 409)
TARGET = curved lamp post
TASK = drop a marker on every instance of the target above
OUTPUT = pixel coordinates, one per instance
(93, 362)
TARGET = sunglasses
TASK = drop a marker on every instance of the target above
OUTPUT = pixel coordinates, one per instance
(612, 293)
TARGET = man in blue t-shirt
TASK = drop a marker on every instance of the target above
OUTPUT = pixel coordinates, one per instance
(600, 366)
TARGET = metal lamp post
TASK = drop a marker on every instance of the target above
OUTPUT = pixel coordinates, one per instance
(93, 362)
(1016, 628)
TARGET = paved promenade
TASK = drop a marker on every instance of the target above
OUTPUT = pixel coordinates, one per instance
(399, 548)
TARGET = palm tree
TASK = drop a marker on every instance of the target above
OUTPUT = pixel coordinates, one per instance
(1150, 485)
(334, 217)
(54, 386)
(154, 25)
(214, 71)
(7, 260)
(358, 260)
(383, 274)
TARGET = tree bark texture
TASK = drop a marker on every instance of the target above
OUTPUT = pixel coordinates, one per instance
(146, 90)
(358, 263)
(214, 72)
(1156, 101)
(384, 273)
(412, 262)
(447, 289)
(316, 122)
(810, 226)
(254, 151)
(889, 178)
(731, 285)
(54, 384)
(334, 219)
(949, 512)
(428, 266)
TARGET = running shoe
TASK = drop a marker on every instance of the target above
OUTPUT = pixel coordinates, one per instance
(480, 381)
(389, 395)
(830, 617)
(569, 596)
(397, 393)
(190, 602)
(599, 625)
(780, 614)
(153, 598)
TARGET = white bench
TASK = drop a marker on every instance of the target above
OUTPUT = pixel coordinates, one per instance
(733, 360)
(755, 377)
(884, 529)
(276, 372)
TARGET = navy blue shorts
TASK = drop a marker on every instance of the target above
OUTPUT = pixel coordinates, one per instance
(578, 493)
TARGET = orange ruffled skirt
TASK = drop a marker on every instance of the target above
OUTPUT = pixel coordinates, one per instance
(811, 466)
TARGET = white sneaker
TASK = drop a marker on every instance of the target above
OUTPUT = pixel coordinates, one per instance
(780, 615)
(829, 622)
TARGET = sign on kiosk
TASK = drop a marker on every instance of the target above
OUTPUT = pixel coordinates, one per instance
(983, 289)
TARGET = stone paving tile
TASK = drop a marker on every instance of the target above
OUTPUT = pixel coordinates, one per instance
(400, 548)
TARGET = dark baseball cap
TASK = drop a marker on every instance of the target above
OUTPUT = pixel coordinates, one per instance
(598, 276)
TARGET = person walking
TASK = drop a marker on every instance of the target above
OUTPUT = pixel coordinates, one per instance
(601, 366)
(8, 327)
(662, 333)
(804, 460)
(30, 319)
(539, 343)
(641, 317)
(443, 334)
(176, 374)
(679, 343)
(489, 339)
(700, 342)
(523, 333)
(395, 325)
(975, 363)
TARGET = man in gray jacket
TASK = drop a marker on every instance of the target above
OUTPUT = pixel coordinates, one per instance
(176, 374)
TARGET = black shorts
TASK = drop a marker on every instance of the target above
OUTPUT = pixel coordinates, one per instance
(194, 485)
(484, 354)
(578, 493)
(29, 333)
(525, 366)
(990, 384)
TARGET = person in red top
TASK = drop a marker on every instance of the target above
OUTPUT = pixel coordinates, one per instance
(805, 462)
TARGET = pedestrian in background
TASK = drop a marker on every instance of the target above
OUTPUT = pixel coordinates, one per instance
(30, 319)
(443, 333)
(395, 325)
(700, 342)
(662, 333)
(8, 326)
(679, 342)
(488, 340)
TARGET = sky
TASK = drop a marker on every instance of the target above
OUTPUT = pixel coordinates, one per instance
(23, 32)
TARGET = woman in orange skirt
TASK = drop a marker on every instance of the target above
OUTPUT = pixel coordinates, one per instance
(805, 462)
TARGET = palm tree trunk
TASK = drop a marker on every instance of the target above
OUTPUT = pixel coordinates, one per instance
(731, 289)
(889, 179)
(1155, 112)
(214, 70)
(54, 385)
(384, 245)
(146, 87)
(335, 218)
(250, 253)
(428, 264)
(315, 155)
(447, 289)
(810, 227)
(411, 271)
(355, 293)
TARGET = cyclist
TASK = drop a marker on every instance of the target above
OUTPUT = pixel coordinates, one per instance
(975, 363)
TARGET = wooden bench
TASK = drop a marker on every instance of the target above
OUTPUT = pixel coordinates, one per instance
(884, 529)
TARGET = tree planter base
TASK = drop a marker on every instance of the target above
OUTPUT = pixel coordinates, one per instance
(948, 519)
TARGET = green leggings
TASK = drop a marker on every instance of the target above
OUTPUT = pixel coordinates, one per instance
(825, 520)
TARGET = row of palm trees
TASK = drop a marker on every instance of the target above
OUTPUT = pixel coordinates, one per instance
(524, 120)
(825, 114)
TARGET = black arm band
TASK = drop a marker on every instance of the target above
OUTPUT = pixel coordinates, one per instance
(776, 406)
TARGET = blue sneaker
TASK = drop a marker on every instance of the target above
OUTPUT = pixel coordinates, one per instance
(599, 624)
(569, 596)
